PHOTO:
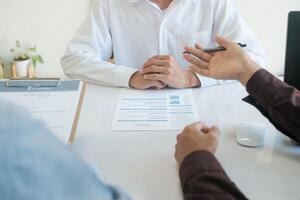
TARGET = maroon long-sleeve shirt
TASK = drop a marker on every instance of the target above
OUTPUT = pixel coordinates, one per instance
(202, 176)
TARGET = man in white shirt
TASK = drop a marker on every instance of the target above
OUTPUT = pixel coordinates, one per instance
(146, 40)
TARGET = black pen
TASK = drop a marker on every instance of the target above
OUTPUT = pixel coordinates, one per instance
(217, 49)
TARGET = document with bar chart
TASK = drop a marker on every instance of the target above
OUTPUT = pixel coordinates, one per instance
(154, 110)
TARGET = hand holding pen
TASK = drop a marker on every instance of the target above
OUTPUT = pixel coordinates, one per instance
(232, 64)
(217, 49)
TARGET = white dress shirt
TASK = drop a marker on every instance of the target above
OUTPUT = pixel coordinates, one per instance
(135, 30)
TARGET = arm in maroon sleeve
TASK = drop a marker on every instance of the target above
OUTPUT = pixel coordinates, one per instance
(202, 177)
(277, 101)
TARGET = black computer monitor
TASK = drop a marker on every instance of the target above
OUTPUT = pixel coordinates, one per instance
(292, 59)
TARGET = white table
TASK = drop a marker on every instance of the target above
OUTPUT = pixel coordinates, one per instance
(143, 164)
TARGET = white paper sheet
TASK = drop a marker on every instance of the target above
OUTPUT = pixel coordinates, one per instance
(154, 110)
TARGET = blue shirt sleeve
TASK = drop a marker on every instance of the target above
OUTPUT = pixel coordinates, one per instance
(34, 165)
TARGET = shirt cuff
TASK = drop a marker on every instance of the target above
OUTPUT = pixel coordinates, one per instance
(257, 85)
(123, 75)
(198, 162)
(206, 82)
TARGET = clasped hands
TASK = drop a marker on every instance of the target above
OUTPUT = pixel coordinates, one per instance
(163, 71)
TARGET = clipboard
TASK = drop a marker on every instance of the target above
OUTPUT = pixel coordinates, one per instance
(70, 91)
(77, 115)
(37, 82)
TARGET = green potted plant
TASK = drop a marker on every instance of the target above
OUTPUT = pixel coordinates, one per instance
(25, 60)
(36, 59)
(1, 70)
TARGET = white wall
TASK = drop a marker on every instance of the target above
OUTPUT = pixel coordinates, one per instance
(51, 23)
(48, 23)
(268, 19)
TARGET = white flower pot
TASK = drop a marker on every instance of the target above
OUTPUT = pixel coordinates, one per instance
(22, 68)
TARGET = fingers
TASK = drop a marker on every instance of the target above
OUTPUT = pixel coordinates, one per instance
(200, 127)
(198, 70)
(179, 136)
(164, 84)
(163, 57)
(157, 85)
(198, 46)
(223, 42)
(195, 61)
(214, 131)
(198, 53)
(155, 61)
(155, 77)
(138, 81)
(197, 127)
(154, 69)
(205, 128)
(160, 60)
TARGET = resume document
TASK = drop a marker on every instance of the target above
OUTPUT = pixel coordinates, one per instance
(154, 110)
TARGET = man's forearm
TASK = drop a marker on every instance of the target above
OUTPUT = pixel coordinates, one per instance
(202, 177)
(279, 102)
(93, 70)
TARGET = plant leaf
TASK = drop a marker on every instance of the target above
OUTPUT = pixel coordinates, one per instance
(18, 44)
(33, 49)
(34, 62)
(41, 60)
